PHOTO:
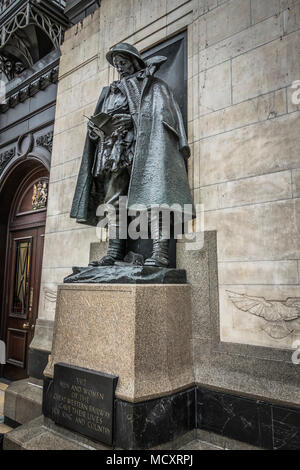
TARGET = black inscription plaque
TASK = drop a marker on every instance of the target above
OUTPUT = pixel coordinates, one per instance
(83, 401)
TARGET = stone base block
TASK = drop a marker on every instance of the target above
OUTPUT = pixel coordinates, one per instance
(23, 401)
(140, 333)
(40, 347)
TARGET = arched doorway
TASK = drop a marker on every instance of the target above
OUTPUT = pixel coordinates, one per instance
(23, 217)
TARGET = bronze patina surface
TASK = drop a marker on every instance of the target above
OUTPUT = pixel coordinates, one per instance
(138, 149)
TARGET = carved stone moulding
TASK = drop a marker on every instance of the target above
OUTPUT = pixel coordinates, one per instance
(25, 144)
(30, 89)
(6, 156)
(45, 141)
(11, 67)
(40, 145)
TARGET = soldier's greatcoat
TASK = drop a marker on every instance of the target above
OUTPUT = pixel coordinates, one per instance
(158, 173)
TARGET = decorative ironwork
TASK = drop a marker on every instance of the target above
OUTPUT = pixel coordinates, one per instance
(5, 4)
(45, 141)
(50, 27)
(5, 157)
(20, 44)
(40, 195)
(19, 21)
(22, 273)
(27, 15)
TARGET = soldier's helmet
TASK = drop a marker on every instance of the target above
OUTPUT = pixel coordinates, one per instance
(124, 48)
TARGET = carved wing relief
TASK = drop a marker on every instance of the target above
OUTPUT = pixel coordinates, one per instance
(282, 317)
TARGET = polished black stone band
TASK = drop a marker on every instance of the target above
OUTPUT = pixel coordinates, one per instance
(151, 423)
(255, 422)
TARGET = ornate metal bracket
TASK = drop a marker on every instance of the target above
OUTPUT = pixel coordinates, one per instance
(5, 4)
(29, 14)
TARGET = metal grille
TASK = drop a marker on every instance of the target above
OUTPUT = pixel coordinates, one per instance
(5, 4)
(22, 271)
(30, 14)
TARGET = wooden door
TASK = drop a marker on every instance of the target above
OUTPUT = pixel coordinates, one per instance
(26, 251)
(23, 271)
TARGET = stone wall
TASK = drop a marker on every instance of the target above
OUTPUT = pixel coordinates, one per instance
(244, 130)
(243, 56)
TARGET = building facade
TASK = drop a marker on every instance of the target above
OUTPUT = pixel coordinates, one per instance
(31, 35)
(242, 68)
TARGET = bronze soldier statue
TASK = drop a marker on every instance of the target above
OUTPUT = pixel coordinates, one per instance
(142, 156)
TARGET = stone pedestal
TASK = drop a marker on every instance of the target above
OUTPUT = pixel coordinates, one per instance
(142, 334)
(139, 333)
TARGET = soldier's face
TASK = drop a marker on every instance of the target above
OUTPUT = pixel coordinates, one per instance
(123, 65)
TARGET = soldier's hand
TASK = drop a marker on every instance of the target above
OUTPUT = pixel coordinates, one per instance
(93, 131)
(122, 121)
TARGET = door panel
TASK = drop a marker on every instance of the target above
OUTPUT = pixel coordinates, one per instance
(16, 347)
(21, 262)
(25, 261)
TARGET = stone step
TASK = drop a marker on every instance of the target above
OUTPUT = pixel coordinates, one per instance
(206, 440)
(42, 434)
(3, 427)
(23, 400)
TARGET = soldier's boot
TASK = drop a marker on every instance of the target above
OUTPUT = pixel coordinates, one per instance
(116, 250)
(160, 250)
(160, 254)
